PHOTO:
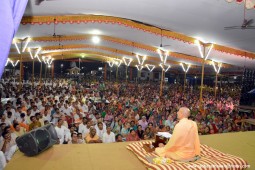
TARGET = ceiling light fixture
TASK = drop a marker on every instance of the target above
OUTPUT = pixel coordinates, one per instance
(198, 43)
(141, 61)
(150, 67)
(185, 69)
(26, 43)
(127, 61)
(163, 57)
(139, 67)
(95, 39)
(17, 48)
(219, 67)
(165, 67)
(110, 63)
(118, 63)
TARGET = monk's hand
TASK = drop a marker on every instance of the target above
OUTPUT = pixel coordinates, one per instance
(161, 145)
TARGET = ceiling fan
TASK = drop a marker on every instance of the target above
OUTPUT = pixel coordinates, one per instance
(247, 24)
(161, 44)
(54, 35)
(38, 2)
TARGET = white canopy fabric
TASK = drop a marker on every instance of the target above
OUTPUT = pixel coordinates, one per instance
(201, 19)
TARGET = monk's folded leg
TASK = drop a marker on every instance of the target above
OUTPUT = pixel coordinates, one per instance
(160, 152)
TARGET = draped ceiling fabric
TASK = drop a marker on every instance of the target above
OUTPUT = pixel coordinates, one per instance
(11, 14)
(249, 3)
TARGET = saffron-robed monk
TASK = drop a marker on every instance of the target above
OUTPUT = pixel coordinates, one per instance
(184, 145)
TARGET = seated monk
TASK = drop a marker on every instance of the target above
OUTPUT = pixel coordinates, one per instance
(184, 145)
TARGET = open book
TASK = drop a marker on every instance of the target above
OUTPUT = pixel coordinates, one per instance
(164, 134)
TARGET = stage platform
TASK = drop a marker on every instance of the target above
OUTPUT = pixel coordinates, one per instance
(115, 156)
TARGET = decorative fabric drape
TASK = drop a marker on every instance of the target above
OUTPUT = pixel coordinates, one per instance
(11, 14)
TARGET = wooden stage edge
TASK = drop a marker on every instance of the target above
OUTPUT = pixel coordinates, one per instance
(115, 156)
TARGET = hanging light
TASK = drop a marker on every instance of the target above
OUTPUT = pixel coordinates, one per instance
(185, 69)
(110, 63)
(26, 43)
(127, 61)
(197, 42)
(150, 67)
(139, 67)
(38, 59)
(51, 61)
(44, 60)
(219, 67)
(7, 61)
(163, 67)
(17, 48)
(118, 63)
(37, 52)
(141, 61)
(16, 63)
(95, 39)
(163, 57)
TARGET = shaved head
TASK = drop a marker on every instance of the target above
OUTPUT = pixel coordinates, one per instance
(183, 112)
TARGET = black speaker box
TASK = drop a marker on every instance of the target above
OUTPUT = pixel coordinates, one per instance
(37, 140)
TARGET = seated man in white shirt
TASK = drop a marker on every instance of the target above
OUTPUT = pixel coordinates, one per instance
(108, 136)
(84, 108)
(66, 110)
(100, 129)
(84, 127)
(34, 110)
(74, 139)
(62, 132)
(3, 120)
(8, 145)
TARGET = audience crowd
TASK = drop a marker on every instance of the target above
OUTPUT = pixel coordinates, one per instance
(106, 112)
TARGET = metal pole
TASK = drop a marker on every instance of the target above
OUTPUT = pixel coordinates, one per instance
(105, 72)
(79, 63)
(202, 80)
(41, 74)
(45, 71)
(20, 68)
(33, 76)
(161, 83)
(117, 74)
(126, 73)
(215, 88)
(184, 81)
(52, 72)
(110, 74)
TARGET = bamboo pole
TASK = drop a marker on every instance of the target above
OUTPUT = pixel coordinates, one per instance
(117, 74)
(184, 81)
(105, 72)
(161, 83)
(52, 72)
(33, 72)
(202, 79)
(41, 74)
(215, 88)
(45, 71)
(126, 73)
(20, 69)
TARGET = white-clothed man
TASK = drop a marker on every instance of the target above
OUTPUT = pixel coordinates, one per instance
(62, 132)
(84, 127)
(100, 129)
(8, 145)
(108, 136)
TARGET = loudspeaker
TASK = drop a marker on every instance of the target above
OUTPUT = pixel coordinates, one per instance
(248, 83)
(37, 140)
